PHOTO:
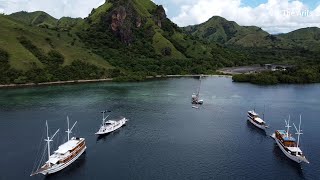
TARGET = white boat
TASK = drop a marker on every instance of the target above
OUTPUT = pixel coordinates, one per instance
(254, 118)
(195, 107)
(195, 98)
(110, 125)
(288, 144)
(66, 154)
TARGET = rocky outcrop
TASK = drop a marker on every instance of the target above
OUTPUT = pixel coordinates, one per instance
(160, 15)
(118, 17)
(121, 25)
(124, 19)
(138, 22)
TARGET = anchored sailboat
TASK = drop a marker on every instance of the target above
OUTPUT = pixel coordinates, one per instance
(288, 144)
(110, 125)
(195, 98)
(66, 154)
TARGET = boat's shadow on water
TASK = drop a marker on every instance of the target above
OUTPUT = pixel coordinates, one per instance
(255, 129)
(72, 169)
(296, 167)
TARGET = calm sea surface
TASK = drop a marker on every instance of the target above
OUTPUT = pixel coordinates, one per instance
(165, 138)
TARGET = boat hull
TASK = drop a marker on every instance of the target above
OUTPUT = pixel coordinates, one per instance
(104, 131)
(263, 127)
(55, 169)
(297, 159)
(200, 102)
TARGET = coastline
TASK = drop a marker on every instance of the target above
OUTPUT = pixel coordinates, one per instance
(54, 83)
(98, 80)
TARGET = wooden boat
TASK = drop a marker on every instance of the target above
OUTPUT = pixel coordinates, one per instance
(66, 154)
(288, 144)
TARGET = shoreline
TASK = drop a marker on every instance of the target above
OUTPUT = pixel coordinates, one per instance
(242, 70)
(54, 83)
(98, 80)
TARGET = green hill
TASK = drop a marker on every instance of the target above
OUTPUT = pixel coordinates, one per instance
(135, 37)
(222, 31)
(306, 38)
(37, 18)
(33, 48)
(132, 39)
(66, 43)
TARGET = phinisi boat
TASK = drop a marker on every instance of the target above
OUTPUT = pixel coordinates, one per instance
(195, 98)
(110, 125)
(288, 144)
(254, 118)
(66, 154)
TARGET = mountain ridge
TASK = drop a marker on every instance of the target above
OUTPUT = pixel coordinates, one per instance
(135, 38)
(222, 31)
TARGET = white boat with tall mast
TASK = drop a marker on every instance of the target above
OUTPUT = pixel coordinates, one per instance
(66, 154)
(255, 119)
(110, 125)
(195, 98)
(288, 144)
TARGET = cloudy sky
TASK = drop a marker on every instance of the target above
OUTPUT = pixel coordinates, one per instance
(274, 16)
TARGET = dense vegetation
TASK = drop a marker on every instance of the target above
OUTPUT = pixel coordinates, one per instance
(129, 40)
(151, 49)
(222, 31)
(294, 75)
(7, 74)
(52, 72)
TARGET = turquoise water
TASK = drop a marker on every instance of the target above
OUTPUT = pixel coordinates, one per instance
(165, 138)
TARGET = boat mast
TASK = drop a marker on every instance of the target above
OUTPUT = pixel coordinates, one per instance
(69, 131)
(298, 131)
(49, 140)
(288, 126)
(199, 86)
(104, 118)
(264, 110)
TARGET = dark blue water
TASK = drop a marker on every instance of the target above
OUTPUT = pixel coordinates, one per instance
(165, 138)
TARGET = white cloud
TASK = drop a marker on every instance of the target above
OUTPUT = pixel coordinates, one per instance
(56, 8)
(166, 9)
(274, 16)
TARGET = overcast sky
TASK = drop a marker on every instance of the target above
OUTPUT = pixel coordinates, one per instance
(274, 16)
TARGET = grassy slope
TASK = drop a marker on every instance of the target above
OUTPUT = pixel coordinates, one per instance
(36, 18)
(21, 59)
(160, 42)
(95, 16)
(218, 29)
(194, 48)
(143, 8)
(67, 23)
(308, 38)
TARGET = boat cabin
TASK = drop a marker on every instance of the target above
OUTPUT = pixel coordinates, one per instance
(287, 141)
(253, 114)
(255, 117)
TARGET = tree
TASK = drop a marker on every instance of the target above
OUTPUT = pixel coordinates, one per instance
(55, 58)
